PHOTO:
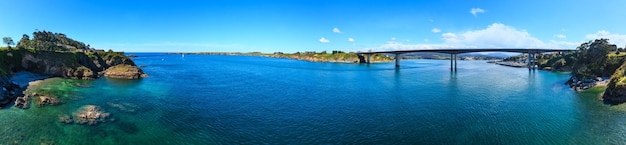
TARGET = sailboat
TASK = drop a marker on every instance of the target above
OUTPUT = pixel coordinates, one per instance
(183, 55)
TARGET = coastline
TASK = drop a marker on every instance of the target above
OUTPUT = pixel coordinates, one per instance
(335, 57)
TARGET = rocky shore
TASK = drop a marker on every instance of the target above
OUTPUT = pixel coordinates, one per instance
(583, 84)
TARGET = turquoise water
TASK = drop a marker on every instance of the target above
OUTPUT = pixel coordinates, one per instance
(203, 99)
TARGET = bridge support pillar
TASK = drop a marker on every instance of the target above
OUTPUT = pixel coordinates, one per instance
(451, 62)
(368, 58)
(455, 62)
(531, 61)
(397, 60)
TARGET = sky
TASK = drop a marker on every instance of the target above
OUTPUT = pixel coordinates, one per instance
(318, 25)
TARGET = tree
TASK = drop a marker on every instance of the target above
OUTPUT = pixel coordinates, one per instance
(591, 58)
(8, 41)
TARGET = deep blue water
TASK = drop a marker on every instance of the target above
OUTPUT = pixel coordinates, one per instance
(209, 99)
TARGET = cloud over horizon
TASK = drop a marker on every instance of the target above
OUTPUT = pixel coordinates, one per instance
(496, 35)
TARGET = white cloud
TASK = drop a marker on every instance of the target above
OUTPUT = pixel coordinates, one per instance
(393, 38)
(476, 11)
(336, 30)
(324, 40)
(435, 30)
(350, 39)
(496, 35)
(617, 39)
(560, 36)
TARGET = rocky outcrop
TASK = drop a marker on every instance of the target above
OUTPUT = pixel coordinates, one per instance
(90, 115)
(124, 71)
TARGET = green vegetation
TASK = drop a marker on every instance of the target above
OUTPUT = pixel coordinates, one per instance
(48, 41)
(593, 59)
(556, 61)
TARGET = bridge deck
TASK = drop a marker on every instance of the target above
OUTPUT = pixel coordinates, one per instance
(468, 50)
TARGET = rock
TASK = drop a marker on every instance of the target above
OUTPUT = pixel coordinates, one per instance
(90, 115)
(125, 71)
(46, 100)
(65, 119)
(22, 102)
(9, 91)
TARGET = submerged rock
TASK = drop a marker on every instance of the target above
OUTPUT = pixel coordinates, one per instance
(90, 115)
(65, 119)
(126, 107)
(124, 71)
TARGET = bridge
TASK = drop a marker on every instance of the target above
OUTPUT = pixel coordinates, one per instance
(532, 53)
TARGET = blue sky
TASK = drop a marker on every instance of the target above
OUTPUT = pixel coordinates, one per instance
(303, 25)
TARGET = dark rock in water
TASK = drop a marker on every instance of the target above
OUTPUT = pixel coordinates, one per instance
(8, 91)
(90, 115)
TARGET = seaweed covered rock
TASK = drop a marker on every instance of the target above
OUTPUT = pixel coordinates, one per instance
(90, 115)
(124, 71)
(46, 100)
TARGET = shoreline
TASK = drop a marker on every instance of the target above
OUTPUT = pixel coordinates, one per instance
(339, 57)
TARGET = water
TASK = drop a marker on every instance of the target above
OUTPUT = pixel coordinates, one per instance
(202, 99)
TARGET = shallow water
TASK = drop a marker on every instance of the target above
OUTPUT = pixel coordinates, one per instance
(203, 99)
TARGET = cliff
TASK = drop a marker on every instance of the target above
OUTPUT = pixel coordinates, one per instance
(615, 92)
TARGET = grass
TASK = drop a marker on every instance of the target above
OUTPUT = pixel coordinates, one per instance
(612, 54)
